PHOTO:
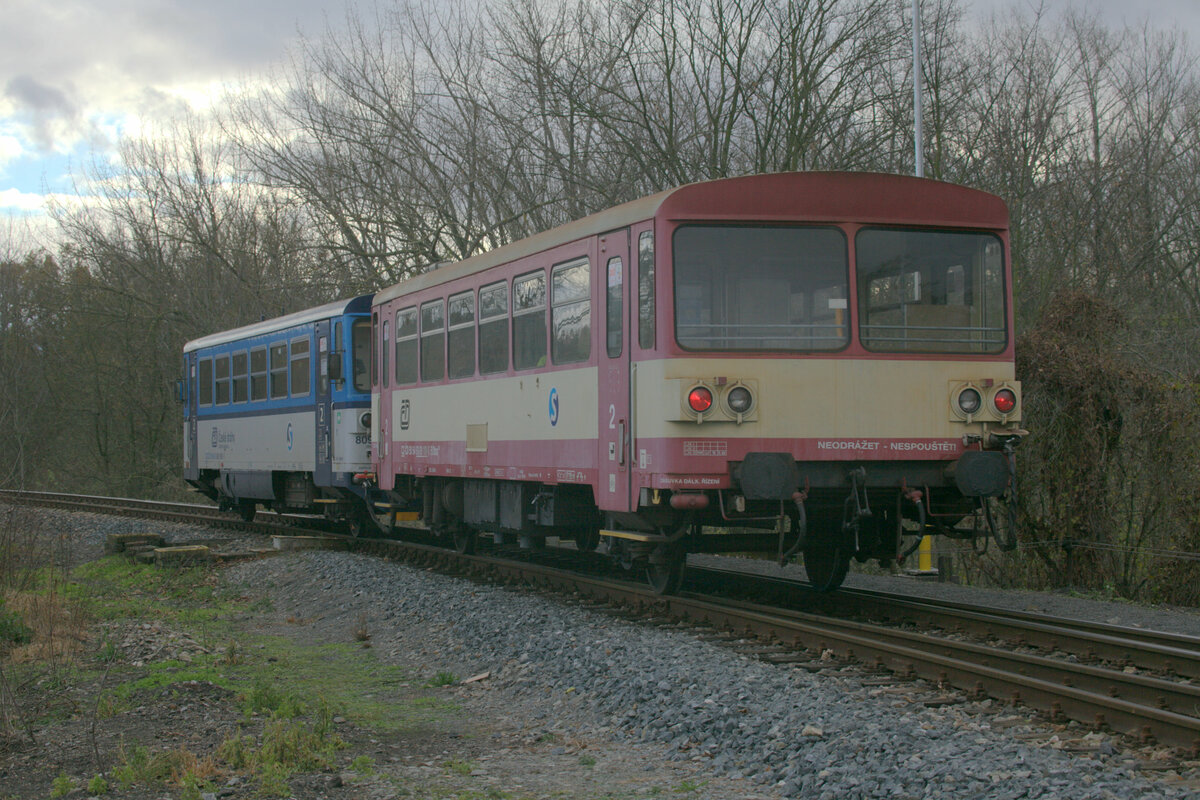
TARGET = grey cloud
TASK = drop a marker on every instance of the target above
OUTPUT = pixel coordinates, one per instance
(45, 109)
(35, 96)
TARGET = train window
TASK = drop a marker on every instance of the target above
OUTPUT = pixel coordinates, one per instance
(614, 322)
(646, 290)
(384, 361)
(241, 377)
(221, 374)
(361, 334)
(335, 346)
(406, 346)
(258, 373)
(930, 291)
(460, 340)
(493, 328)
(433, 340)
(205, 381)
(571, 312)
(761, 288)
(374, 360)
(301, 370)
(529, 321)
(279, 369)
(322, 365)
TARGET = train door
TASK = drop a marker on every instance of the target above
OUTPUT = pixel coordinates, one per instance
(323, 474)
(383, 361)
(191, 455)
(615, 419)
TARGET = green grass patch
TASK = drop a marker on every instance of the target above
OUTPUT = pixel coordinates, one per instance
(293, 690)
(287, 746)
(115, 588)
(61, 786)
(442, 679)
(13, 629)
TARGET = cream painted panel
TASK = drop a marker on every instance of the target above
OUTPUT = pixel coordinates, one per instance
(283, 441)
(817, 398)
(351, 444)
(514, 408)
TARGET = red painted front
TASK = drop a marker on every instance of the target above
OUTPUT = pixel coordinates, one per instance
(609, 463)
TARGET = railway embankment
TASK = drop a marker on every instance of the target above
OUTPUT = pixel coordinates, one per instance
(318, 674)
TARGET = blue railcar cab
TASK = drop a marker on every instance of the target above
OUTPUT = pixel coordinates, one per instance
(277, 413)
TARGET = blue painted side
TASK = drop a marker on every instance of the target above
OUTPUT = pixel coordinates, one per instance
(342, 393)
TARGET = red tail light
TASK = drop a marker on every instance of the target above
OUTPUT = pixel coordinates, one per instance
(700, 399)
(1005, 401)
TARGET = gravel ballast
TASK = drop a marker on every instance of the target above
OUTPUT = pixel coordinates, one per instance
(789, 731)
(645, 697)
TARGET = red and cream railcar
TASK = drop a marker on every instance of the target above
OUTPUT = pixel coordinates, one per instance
(815, 363)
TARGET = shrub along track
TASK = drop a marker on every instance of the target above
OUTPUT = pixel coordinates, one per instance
(1136, 682)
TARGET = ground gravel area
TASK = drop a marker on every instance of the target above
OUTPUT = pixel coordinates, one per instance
(555, 699)
(750, 728)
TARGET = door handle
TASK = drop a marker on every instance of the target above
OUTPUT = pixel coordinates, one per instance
(621, 443)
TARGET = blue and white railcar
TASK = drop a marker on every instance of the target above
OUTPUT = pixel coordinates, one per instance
(277, 413)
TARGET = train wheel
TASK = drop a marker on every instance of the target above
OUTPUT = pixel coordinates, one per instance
(247, 509)
(826, 567)
(587, 539)
(665, 570)
(464, 539)
(359, 525)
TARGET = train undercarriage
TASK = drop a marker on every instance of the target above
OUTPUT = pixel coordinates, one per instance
(839, 513)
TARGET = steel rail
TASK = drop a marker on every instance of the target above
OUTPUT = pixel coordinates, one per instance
(1177, 654)
(889, 600)
(187, 513)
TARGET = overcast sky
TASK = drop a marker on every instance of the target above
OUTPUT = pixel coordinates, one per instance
(77, 74)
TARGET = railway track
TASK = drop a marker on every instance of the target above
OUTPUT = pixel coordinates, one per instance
(1136, 682)
(185, 513)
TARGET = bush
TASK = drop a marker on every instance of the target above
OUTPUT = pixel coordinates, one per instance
(1110, 473)
(13, 629)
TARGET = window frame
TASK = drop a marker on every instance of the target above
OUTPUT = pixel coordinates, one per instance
(569, 302)
(241, 378)
(646, 291)
(385, 363)
(275, 370)
(356, 341)
(405, 339)
(863, 282)
(487, 323)
(439, 333)
(520, 314)
(204, 385)
(222, 385)
(614, 313)
(465, 331)
(293, 371)
(262, 375)
(847, 275)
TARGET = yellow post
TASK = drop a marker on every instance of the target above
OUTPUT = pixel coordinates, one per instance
(925, 555)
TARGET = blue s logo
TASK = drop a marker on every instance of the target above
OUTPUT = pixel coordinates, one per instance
(291, 437)
(553, 407)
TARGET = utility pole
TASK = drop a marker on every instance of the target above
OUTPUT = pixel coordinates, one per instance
(918, 135)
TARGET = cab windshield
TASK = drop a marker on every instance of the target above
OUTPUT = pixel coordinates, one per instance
(930, 291)
(760, 288)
